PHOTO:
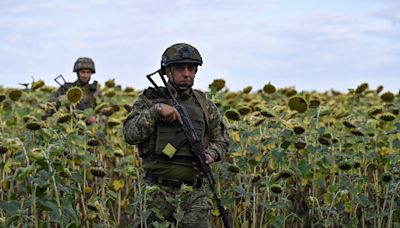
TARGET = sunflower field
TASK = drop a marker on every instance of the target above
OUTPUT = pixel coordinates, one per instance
(296, 159)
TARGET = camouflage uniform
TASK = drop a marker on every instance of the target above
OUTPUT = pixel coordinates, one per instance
(140, 128)
(89, 90)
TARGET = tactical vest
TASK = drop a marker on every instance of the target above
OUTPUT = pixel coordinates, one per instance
(165, 133)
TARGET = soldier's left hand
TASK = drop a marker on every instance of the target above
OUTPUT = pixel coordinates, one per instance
(209, 159)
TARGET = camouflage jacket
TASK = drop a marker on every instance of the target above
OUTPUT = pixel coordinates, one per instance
(142, 119)
(90, 91)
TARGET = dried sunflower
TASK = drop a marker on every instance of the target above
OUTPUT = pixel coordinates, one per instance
(218, 84)
(234, 169)
(33, 125)
(379, 89)
(361, 88)
(387, 116)
(244, 110)
(63, 118)
(269, 88)
(247, 89)
(93, 142)
(286, 173)
(276, 188)
(387, 97)
(298, 130)
(387, 177)
(232, 114)
(298, 104)
(110, 83)
(324, 140)
(98, 171)
(345, 165)
(300, 144)
(74, 94)
(110, 93)
(37, 84)
(15, 94)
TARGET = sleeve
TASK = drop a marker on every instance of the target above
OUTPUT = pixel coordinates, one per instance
(218, 134)
(140, 122)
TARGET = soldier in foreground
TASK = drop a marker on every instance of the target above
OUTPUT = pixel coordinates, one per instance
(154, 125)
(84, 68)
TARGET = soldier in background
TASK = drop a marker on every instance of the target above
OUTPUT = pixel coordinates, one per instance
(84, 68)
(153, 125)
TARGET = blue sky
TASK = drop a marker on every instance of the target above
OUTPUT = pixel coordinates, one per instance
(309, 44)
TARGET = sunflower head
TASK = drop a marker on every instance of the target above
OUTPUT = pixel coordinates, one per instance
(361, 88)
(298, 130)
(247, 89)
(387, 97)
(63, 118)
(2, 97)
(387, 116)
(276, 188)
(38, 84)
(3, 149)
(218, 84)
(298, 104)
(345, 165)
(110, 83)
(379, 89)
(286, 173)
(74, 94)
(15, 94)
(244, 110)
(269, 88)
(387, 177)
(232, 114)
(33, 125)
(234, 169)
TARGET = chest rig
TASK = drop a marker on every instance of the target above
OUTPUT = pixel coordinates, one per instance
(168, 142)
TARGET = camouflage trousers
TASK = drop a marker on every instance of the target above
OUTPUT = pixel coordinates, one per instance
(169, 205)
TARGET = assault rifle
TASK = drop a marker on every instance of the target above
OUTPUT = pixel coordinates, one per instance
(196, 146)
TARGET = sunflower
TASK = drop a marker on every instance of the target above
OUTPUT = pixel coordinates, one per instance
(33, 125)
(269, 88)
(74, 94)
(387, 116)
(387, 177)
(218, 84)
(361, 88)
(2, 97)
(387, 97)
(37, 84)
(345, 165)
(298, 104)
(247, 89)
(15, 94)
(298, 130)
(110, 83)
(286, 173)
(232, 114)
(276, 188)
(63, 118)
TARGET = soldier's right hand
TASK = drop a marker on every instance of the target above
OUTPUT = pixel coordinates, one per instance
(169, 113)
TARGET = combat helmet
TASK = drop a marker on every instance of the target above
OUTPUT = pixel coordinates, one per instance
(84, 63)
(181, 53)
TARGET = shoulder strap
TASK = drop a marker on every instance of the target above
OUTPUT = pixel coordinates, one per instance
(201, 98)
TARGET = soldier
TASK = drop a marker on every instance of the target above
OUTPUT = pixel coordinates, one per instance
(84, 68)
(153, 125)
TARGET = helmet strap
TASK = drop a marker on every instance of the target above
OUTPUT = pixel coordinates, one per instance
(171, 77)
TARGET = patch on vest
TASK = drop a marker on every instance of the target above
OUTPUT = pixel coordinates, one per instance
(169, 150)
